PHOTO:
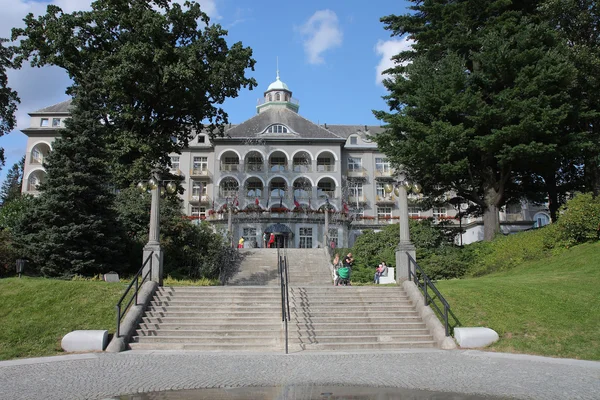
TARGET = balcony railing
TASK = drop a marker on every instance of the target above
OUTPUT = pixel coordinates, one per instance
(301, 168)
(196, 198)
(325, 168)
(255, 167)
(232, 167)
(322, 194)
(383, 173)
(303, 195)
(224, 194)
(277, 168)
(37, 160)
(385, 199)
(357, 173)
(292, 100)
(359, 199)
(199, 172)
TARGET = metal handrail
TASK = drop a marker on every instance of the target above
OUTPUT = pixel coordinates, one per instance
(135, 294)
(414, 270)
(285, 302)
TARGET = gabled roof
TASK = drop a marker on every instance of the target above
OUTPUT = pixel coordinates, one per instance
(300, 127)
(346, 130)
(63, 107)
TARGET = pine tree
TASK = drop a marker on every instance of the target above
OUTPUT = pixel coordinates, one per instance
(74, 229)
(11, 188)
(8, 97)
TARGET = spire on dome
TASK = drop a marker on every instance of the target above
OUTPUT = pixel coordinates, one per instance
(277, 67)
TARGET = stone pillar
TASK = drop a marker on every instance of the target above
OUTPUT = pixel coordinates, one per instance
(153, 245)
(404, 245)
(230, 223)
(326, 235)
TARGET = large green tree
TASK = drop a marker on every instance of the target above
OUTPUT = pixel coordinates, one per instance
(74, 227)
(11, 188)
(158, 72)
(8, 97)
(480, 99)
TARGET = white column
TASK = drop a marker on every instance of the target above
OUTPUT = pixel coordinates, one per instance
(153, 245)
(404, 245)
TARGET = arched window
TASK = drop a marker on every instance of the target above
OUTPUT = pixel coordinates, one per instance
(277, 129)
(269, 97)
(277, 97)
(287, 98)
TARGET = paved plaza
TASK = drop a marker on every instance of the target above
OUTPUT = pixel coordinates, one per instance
(100, 376)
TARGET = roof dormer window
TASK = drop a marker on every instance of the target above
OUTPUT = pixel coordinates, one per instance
(353, 140)
(277, 129)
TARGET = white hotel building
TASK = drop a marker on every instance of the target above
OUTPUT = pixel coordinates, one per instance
(274, 162)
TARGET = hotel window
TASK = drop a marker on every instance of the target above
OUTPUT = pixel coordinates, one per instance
(55, 122)
(353, 140)
(277, 189)
(333, 236)
(380, 190)
(255, 164)
(254, 189)
(200, 163)
(201, 139)
(305, 238)
(269, 98)
(382, 165)
(277, 96)
(384, 212)
(277, 164)
(277, 129)
(414, 212)
(44, 122)
(36, 156)
(354, 164)
(440, 212)
(174, 163)
(249, 234)
(355, 189)
(198, 189)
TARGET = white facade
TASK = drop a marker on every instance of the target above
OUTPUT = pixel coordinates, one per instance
(269, 165)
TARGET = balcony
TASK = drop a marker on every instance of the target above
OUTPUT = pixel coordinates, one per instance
(357, 173)
(329, 194)
(232, 167)
(301, 168)
(198, 199)
(382, 174)
(357, 199)
(255, 167)
(325, 168)
(199, 173)
(385, 199)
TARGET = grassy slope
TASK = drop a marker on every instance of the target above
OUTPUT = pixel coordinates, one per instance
(548, 307)
(36, 313)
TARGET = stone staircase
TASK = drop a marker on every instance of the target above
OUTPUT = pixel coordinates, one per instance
(212, 318)
(246, 314)
(355, 318)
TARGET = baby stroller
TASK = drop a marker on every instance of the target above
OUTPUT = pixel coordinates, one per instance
(343, 276)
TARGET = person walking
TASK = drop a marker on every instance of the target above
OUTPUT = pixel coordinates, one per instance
(271, 240)
(264, 239)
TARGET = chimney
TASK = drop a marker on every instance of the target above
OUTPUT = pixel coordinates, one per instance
(325, 125)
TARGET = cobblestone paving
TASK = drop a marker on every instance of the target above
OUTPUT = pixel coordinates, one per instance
(99, 376)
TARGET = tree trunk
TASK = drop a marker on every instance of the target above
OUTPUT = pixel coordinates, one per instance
(491, 221)
(552, 196)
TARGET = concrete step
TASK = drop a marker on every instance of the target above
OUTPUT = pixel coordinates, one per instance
(214, 289)
(207, 347)
(208, 320)
(347, 346)
(318, 332)
(349, 326)
(363, 339)
(248, 301)
(220, 310)
(338, 319)
(350, 304)
(231, 326)
(209, 333)
(352, 314)
(261, 340)
(220, 314)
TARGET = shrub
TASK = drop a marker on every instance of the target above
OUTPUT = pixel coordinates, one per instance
(579, 220)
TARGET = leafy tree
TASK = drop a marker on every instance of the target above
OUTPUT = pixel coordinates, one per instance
(190, 250)
(579, 22)
(8, 97)
(11, 188)
(74, 229)
(482, 99)
(157, 72)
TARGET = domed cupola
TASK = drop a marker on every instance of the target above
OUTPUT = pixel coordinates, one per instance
(278, 95)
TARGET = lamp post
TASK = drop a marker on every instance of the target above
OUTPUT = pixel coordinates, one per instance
(400, 189)
(153, 246)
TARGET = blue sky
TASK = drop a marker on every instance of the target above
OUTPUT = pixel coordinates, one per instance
(330, 55)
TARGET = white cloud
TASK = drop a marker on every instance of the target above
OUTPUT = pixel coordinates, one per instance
(322, 32)
(387, 49)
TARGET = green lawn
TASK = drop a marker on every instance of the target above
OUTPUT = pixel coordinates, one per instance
(36, 313)
(549, 307)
